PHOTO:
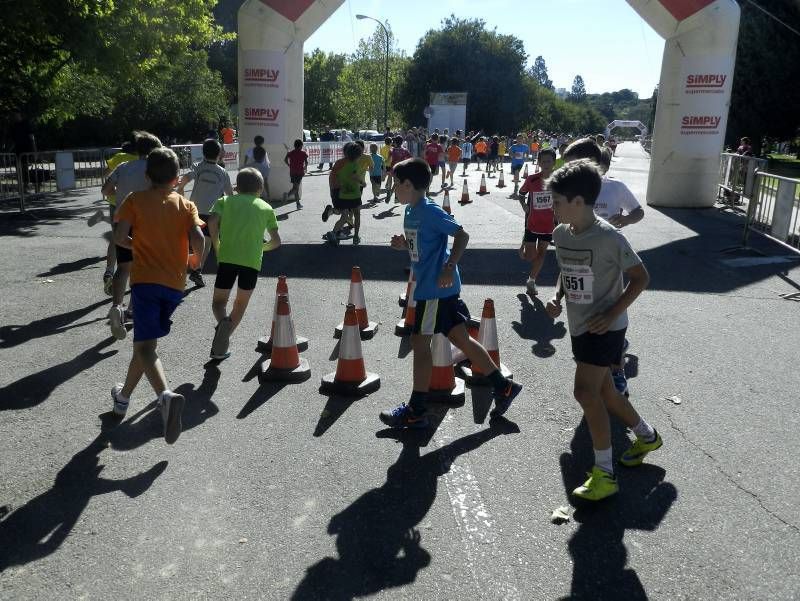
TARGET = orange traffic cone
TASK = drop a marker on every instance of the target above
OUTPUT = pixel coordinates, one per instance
(501, 183)
(446, 202)
(402, 298)
(482, 190)
(464, 195)
(405, 326)
(351, 377)
(525, 173)
(487, 337)
(356, 297)
(444, 387)
(473, 327)
(285, 364)
(265, 342)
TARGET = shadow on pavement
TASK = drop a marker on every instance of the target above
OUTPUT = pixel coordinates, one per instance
(262, 394)
(71, 266)
(598, 553)
(39, 527)
(146, 424)
(12, 335)
(333, 410)
(34, 389)
(377, 539)
(535, 324)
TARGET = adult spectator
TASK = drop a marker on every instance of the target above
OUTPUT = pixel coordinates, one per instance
(228, 134)
(744, 147)
(24, 142)
(326, 136)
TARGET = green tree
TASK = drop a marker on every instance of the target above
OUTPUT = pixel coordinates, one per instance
(766, 97)
(539, 73)
(322, 72)
(578, 92)
(463, 56)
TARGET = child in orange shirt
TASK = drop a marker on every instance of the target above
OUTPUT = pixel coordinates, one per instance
(165, 224)
(481, 151)
(453, 157)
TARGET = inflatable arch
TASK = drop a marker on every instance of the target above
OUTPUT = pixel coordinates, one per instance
(693, 94)
(621, 123)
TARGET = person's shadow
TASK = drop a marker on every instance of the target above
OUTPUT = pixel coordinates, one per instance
(146, 424)
(598, 552)
(376, 537)
(39, 527)
(535, 324)
(13, 335)
(35, 388)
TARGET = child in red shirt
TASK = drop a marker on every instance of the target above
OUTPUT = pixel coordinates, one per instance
(297, 160)
(539, 219)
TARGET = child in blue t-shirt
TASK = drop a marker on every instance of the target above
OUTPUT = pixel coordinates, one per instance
(439, 308)
(518, 151)
(376, 173)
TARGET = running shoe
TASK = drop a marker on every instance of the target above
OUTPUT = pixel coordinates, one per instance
(120, 402)
(639, 450)
(108, 283)
(502, 400)
(356, 240)
(531, 286)
(116, 317)
(326, 212)
(171, 405)
(299, 206)
(222, 340)
(197, 278)
(620, 382)
(96, 218)
(332, 238)
(403, 416)
(599, 485)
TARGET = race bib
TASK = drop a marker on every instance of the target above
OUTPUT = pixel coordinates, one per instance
(411, 240)
(519, 155)
(541, 201)
(578, 281)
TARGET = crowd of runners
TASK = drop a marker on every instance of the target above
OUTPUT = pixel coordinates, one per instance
(160, 237)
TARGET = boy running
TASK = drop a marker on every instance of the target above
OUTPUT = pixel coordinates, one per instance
(261, 164)
(518, 152)
(481, 152)
(126, 178)
(376, 173)
(453, 157)
(593, 256)
(398, 154)
(297, 160)
(432, 151)
(345, 182)
(237, 224)
(165, 224)
(439, 308)
(494, 153)
(539, 220)
(210, 182)
(466, 155)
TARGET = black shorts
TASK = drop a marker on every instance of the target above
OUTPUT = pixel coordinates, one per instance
(375, 179)
(228, 273)
(434, 168)
(516, 168)
(482, 156)
(603, 350)
(534, 237)
(439, 315)
(296, 179)
(466, 161)
(343, 204)
(204, 218)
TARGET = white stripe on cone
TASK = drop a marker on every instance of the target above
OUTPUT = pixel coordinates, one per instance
(356, 296)
(487, 334)
(441, 351)
(350, 345)
(284, 332)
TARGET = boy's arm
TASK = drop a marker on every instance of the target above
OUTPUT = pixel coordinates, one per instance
(213, 222)
(638, 279)
(286, 159)
(122, 235)
(198, 243)
(634, 216)
(274, 240)
(228, 184)
(460, 240)
(185, 179)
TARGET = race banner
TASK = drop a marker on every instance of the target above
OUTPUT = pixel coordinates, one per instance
(263, 94)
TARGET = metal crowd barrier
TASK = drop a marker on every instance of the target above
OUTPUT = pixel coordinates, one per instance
(9, 181)
(323, 152)
(737, 178)
(774, 209)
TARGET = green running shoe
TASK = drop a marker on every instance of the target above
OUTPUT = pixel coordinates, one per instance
(639, 450)
(600, 485)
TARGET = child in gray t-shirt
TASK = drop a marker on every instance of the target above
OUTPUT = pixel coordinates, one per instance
(592, 256)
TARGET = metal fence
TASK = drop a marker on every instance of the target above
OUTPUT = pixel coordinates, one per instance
(737, 177)
(9, 181)
(774, 209)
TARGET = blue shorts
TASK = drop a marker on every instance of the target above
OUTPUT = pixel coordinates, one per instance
(515, 167)
(153, 305)
(439, 315)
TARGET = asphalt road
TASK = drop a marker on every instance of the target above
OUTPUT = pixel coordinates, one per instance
(278, 492)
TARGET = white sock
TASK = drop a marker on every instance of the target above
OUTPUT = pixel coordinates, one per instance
(644, 431)
(602, 459)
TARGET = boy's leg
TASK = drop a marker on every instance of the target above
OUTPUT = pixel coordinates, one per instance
(150, 363)
(356, 225)
(538, 258)
(219, 301)
(240, 305)
(587, 390)
(422, 366)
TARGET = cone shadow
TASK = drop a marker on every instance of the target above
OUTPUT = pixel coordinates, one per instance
(481, 402)
(262, 394)
(405, 347)
(333, 410)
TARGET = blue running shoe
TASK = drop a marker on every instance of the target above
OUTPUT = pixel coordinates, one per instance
(403, 416)
(502, 400)
(620, 382)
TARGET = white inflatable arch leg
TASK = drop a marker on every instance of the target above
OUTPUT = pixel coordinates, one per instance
(271, 37)
(693, 97)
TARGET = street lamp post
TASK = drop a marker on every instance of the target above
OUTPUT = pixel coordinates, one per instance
(386, 80)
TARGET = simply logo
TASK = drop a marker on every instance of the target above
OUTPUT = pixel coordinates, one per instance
(709, 80)
(261, 114)
(692, 123)
(261, 75)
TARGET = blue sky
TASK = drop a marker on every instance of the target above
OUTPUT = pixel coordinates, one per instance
(604, 41)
